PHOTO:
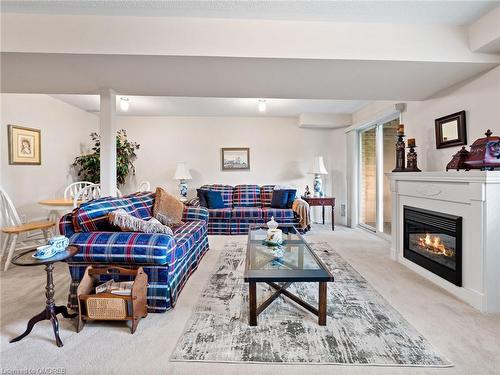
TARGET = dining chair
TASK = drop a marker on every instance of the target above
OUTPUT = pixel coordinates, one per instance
(144, 186)
(89, 193)
(12, 228)
(73, 188)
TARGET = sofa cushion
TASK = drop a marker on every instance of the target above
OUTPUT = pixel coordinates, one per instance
(93, 215)
(128, 223)
(280, 199)
(202, 197)
(221, 213)
(247, 213)
(279, 214)
(214, 200)
(266, 195)
(122, 247)
(167, 208)
(226, 190)
(246, 196)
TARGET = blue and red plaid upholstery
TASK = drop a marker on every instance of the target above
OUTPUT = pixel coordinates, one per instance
(246, 196)
(219, 213)
(93, 215)
(66, 225)
(167, 260)
(123, 247)
(222, 227)
(280, 215)
(195, 213)
(242, 226)
(266, 195)
(247, 213)
(226, 190)
(250, 205)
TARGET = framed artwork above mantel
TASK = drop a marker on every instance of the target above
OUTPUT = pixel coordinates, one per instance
(24, 145)
(451, 130)
(235, 158)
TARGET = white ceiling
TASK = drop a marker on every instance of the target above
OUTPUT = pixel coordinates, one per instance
(188, 106)
(415, 12)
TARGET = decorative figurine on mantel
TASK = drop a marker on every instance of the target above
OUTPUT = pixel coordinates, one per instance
(411, 165)
(484, 155)
(400, 150)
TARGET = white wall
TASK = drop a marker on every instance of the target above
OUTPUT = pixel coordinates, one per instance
(65, 131)
(280, 152)
(479, 97)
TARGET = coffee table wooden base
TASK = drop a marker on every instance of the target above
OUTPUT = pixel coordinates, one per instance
(282, 289)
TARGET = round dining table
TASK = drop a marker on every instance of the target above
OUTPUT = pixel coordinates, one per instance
(57, 207)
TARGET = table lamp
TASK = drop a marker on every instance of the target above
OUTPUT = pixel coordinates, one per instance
(182, 174)
(318, 170)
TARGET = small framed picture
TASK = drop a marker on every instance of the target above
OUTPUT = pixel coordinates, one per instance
(235, 159)
(24, 145)
(451, 130)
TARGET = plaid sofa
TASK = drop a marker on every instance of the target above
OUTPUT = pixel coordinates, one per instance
(245, 205)
(167, 260)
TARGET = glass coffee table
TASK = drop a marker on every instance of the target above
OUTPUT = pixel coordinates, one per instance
(296, 263)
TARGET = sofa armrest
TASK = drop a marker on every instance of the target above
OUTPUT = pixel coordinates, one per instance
(195, 213)
(66, 225)
(193, 202)
(123, 248)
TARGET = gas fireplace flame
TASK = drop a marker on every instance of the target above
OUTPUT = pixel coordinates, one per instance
(434, 244)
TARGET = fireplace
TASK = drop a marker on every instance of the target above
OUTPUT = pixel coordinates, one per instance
(433, 240)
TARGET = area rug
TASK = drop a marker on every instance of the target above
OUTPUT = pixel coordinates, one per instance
(362, 327)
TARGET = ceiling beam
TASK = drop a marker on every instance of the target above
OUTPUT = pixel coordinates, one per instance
(484, 34)
(164, 36)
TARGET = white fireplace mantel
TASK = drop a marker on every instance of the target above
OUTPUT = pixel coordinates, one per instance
(473, 195)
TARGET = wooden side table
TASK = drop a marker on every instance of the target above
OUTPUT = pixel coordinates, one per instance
(323, 201)
(51, 310)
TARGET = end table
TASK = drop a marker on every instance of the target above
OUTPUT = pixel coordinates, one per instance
(323, 201)
(51, 310)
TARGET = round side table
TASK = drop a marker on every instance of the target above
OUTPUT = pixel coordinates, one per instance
(50, 312)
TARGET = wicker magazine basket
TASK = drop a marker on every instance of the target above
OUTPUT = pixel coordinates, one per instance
(108, 306)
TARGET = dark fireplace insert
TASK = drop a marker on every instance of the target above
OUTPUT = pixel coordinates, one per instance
(433, 240)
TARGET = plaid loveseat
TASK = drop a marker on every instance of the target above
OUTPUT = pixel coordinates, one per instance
(167, 260)
(244, 205)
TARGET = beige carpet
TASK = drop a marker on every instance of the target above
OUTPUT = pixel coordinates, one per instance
(469, 339)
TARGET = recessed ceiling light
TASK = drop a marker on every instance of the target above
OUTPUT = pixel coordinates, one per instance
(124, 104)
(262, 105)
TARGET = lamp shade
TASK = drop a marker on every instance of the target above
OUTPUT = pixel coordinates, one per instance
(182, 172)
(319, 166)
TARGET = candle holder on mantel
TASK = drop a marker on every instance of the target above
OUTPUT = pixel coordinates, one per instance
(411, 165)
(400, 150)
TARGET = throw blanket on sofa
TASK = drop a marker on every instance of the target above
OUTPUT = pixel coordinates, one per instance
(301, 208)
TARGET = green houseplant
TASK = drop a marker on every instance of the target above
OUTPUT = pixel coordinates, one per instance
(88, 166)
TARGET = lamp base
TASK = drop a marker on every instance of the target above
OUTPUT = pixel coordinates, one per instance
(318, 186)
(183, 190)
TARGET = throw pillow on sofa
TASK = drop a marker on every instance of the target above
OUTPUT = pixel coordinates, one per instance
(129, 223)
(169, 207)
(202, 197)
(214, 199)
(292, 194)
(279, 199)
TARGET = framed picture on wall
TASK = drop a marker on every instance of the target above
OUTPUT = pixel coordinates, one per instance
(24, 145)
(235, 158)
(451, 130)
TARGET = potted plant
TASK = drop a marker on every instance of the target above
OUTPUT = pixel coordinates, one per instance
(88, 166)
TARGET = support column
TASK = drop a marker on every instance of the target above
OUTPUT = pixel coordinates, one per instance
(107, 129)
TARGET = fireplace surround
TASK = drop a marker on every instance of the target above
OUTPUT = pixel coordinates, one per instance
(473, 196)
(433, 240)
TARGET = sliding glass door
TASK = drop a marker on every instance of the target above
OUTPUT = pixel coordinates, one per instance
(376, 157)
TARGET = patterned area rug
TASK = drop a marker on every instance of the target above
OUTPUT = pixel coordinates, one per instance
(362, 327)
